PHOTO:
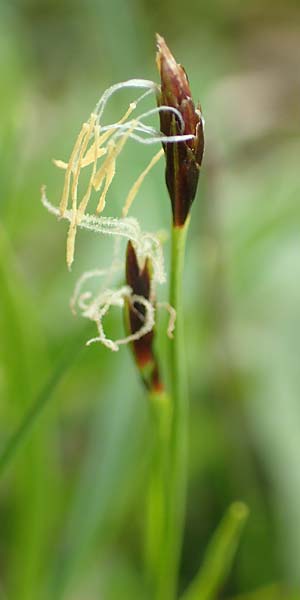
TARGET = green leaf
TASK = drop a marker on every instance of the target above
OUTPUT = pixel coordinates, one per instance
(24, 365)
(219, 556)
(271, 592)
(110, 470)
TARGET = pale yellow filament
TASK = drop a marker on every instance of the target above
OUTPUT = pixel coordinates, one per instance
(108, 174)
(84, 202)
(60, 163)
(66, 190)
(89, 157)
(101, 173)
(73, 225)
(83, 148)
(137, 184)
(108, 169)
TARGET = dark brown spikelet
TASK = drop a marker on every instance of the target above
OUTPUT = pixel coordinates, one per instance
(139, 279)
(183, 159)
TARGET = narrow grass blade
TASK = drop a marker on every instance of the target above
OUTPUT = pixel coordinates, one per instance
(219, 556)
(24, 364)
(271, 592)
(31, 418)
(109, 472)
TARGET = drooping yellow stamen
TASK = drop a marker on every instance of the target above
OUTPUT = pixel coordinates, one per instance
(90, 145)
(60, 163)
(71, 243)
(85, 161)
(73, 225)
(89, 157)
(84, 202)
(108, 169)
(137, 184)
(78, 168)
(66, 190)
(101, 173)
(97, 153)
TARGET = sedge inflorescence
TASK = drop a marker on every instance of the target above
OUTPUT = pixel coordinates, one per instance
(97, 148)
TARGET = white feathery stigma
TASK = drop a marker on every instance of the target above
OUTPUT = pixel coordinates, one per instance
(98, 147)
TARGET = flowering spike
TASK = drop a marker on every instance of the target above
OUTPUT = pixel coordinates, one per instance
(183, 158)
(139, 280)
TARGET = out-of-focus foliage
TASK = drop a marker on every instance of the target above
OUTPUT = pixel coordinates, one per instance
(72, 501)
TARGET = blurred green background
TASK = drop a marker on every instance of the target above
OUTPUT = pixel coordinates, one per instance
(72, 500)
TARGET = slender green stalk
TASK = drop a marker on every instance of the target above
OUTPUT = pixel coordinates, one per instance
(177, 459)
(157, 491)
(167, 487)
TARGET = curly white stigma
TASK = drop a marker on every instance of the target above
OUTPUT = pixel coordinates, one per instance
(94, 306)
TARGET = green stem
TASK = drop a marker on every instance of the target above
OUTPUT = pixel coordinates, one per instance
(167, 489)
(157, 490)
(177, 452)
(178, 448)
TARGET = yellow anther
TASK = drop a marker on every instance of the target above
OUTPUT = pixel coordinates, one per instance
(71, 242)
(60, 163)
(66, 190)
(73, 225)
(87, 160)
(101, 173)
(108, 169)
(89, 157)
(85, 141)
(108, 174)
(84, 202)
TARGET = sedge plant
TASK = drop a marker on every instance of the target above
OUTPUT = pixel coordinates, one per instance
(96, 151)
